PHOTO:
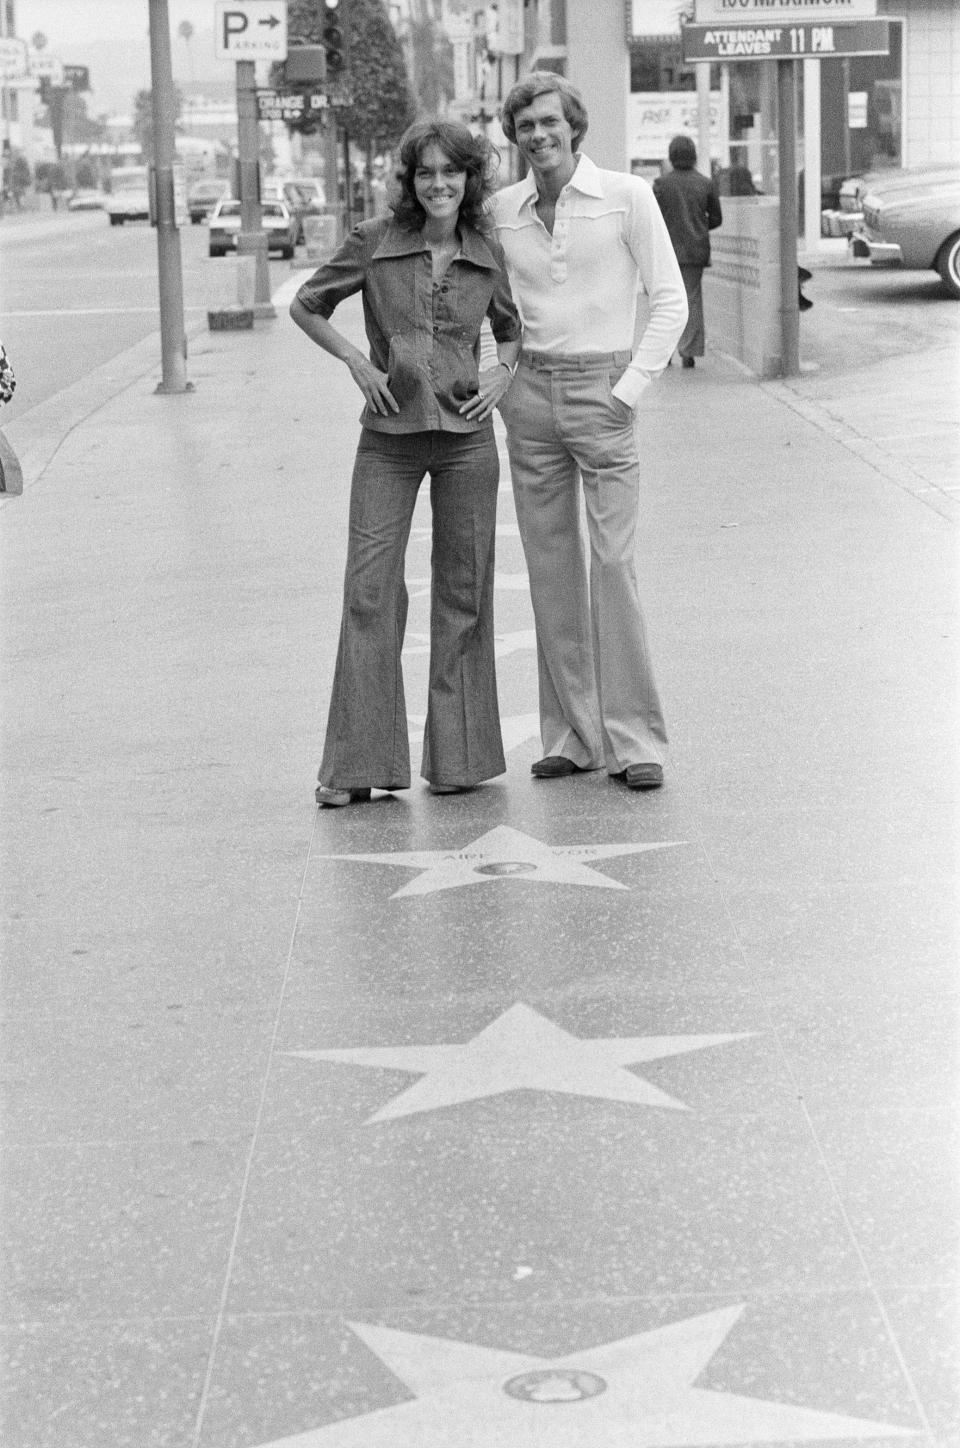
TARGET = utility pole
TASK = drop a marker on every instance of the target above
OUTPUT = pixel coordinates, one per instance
(173, 340)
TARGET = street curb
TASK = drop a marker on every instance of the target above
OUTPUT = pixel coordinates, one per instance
(38, 434)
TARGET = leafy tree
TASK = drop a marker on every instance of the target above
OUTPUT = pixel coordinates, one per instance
(50, 176)
(382, 105)
(78, 124)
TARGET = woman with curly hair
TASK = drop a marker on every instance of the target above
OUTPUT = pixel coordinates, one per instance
(428, 275)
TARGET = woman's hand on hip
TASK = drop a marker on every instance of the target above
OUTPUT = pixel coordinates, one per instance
(494, 384)
(374, 385)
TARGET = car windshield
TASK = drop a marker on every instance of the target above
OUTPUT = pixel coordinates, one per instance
(229, 208)
(134, 181)
(272, 208)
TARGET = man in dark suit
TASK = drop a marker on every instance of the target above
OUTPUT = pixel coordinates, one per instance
(691, 210)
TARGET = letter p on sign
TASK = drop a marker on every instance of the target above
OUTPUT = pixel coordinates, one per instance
(251, 30)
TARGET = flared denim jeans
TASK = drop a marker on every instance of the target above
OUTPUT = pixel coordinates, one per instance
(367, 743)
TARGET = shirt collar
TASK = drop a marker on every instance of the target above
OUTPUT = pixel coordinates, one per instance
(586, 178)
(401, 241)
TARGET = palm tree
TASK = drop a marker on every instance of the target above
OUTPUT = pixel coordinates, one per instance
(185, 32)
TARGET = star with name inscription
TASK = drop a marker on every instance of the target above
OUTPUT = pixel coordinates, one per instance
(500, 854)
(521, 1050)
(637, 1392)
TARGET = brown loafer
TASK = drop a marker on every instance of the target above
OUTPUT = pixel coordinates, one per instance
(555, 766)
(643, 776)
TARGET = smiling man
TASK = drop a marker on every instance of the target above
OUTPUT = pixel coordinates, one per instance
(580, 243)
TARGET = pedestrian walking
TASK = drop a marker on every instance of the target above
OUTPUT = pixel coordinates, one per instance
(428, 274)
(691, 209)
(579, 242)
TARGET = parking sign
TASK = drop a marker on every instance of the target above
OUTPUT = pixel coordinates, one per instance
(251, 30)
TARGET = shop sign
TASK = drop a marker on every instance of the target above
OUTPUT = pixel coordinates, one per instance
(784, 42)
(13, 58)
(509, 27)
(655, 117)
(751, 11)
(288, 105)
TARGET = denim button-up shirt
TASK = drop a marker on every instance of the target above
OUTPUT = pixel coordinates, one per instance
(424, 335)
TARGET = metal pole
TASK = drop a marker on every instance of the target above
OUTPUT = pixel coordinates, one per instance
(331, 184)
(252, 240)
(703, 118)
(347, 181)
(812, 177)
(789, 216)
(173, 340)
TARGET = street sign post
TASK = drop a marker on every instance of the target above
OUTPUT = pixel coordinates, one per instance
(246, 31)
(251, 239)
(746, 35)
(250, 30)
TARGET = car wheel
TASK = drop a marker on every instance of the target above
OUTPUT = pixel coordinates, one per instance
(948, 264)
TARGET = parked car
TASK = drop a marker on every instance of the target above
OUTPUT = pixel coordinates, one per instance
(203, 197)
(87, 198)
(280, 226)
(911, 218)
(303, 196)
(129, 198)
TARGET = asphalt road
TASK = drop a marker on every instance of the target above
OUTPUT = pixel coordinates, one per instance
(864, 315)
(76, 291)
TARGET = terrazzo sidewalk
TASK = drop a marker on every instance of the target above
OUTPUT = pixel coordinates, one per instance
(545, 1116)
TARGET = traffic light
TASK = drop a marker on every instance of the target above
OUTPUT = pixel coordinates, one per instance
(305, 65)
(334, 37)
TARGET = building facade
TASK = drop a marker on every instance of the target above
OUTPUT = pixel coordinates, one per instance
(865, 112)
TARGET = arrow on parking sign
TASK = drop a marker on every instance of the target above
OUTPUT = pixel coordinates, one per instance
(251, 29)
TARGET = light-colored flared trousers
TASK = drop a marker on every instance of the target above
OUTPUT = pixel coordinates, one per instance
(598, 700)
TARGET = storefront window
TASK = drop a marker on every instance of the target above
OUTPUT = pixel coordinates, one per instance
(860, 113)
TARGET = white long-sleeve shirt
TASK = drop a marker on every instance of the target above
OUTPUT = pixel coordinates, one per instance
(577, 290)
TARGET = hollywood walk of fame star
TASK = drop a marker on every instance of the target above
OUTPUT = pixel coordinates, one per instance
(504, 853)
(521, 1050)
(637, 1392)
